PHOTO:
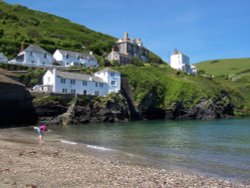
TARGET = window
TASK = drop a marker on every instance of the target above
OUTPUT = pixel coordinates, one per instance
(97, 93)
(96, 84)
(45, 55)
(73, 91)
(112, 74)
(85, 92)
(112, 82)
(84, 83)
(32, 61)
(43, 63)
(63, 80)
(78, 58)
(64, 90)
(67, 56)
(31, 53)
(72, 82)
(100, 84)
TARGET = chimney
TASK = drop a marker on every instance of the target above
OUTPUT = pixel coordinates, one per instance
(22, 47)
(125, 36)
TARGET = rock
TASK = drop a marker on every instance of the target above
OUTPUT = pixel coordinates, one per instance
(16, 106)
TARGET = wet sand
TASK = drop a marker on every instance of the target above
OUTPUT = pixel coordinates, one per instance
(25, 163)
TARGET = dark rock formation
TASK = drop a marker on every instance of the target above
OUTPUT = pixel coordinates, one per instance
(50, 110)
(16, 107)
(97, 111)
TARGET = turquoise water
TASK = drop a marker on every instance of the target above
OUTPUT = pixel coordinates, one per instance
(220, 148)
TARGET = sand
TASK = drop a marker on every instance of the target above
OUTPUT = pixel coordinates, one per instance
(25, 163)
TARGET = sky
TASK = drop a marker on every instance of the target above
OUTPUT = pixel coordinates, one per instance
(201, 29)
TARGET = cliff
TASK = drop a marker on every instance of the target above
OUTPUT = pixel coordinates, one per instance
(16, 108)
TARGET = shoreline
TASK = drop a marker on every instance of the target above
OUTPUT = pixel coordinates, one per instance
(25, 163)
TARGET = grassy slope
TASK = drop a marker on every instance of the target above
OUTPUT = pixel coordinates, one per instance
(18, 23)
(225, 66)
(234, 74)
(170, 87)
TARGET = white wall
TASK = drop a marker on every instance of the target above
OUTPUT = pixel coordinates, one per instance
(73, 60)
(113, 79)
(37, 58)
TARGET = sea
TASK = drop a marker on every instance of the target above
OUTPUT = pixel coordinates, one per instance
(218, 148)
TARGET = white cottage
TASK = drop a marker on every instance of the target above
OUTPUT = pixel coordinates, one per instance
(55, 81)
(69, 58)
(34, 56)
(3, 58)
(112, 78)
(180, 62)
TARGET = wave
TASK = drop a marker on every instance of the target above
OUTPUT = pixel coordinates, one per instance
(99, 148)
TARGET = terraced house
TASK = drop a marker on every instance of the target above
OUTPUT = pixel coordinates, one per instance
(69, 58)
(100, 84)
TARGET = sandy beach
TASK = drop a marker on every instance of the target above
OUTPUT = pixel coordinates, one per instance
(25, 163)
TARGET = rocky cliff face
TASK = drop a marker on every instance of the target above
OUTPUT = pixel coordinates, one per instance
(217, 107)
(16, 107)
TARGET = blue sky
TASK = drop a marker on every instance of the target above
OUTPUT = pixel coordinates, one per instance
(201, 29)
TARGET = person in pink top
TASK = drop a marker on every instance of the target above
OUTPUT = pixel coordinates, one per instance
(42, 129)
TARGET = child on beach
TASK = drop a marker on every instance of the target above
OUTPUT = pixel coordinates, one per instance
(42, 129)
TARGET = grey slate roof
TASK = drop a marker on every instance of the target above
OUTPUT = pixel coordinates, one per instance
(78, 76)
(77, 54)
(34, 48)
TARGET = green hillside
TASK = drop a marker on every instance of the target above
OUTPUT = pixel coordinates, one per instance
(234, 74)
(20, 24)
(225, 67)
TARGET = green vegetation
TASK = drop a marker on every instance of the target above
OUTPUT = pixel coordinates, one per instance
(234, 75)
(45, 99)
(224, 67)
(169, 86)
(20, 24)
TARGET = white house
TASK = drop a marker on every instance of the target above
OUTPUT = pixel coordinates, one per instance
(55, 81)
(3, 58)
(34, 56)
(180, 62)
(112, 78)
(69, 58)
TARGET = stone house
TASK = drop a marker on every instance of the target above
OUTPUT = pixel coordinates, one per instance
(126, 49)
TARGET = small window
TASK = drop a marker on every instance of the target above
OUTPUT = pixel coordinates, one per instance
(112, 74)
(97, 93)
(32, 61)
(63, 80)
(64, 90)
(67, 56)
(31, 53)
(100, 84)
(112, 83)
(43, 63)
(72, 82)
(96, 84)
(84, 83)
(84, 92)
(73, 91)
(45, 55)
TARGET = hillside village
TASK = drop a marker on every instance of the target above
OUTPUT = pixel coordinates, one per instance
(101, 83)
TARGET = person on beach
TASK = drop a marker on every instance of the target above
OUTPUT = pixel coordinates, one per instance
(42, 129)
